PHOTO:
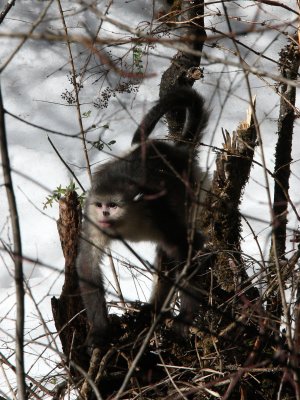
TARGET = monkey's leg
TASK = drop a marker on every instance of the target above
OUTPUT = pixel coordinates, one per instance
(93, 292)
(190, 293)
(168, 270)
(189, 302)
(166, 273)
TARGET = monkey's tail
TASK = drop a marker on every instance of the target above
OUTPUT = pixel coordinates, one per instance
(181, 97)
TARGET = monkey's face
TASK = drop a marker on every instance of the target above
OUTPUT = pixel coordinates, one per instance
(107, 212)
(117, 215)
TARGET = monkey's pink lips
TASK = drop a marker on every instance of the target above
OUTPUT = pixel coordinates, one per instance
(105, 224)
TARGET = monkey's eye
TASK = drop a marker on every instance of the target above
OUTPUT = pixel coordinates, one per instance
(98, 204)
(112, 205)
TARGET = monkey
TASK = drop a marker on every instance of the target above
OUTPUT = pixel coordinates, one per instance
(146, 195)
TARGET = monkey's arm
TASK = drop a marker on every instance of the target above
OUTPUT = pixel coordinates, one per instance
(91, 283)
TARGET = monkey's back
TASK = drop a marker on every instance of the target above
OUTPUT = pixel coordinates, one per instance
(154, 166)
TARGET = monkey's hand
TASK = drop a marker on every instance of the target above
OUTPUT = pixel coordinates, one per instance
(181, 327)
(106, 334)
(148, 313)
(144, 316)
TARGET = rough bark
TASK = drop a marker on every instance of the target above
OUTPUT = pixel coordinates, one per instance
(289, 60)
(69, 319)
(222, 219)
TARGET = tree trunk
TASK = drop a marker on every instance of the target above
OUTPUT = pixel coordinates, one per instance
(70, 321)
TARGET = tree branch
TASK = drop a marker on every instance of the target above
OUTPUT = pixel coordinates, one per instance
(20, 292)
(184, 68)
(289, 58)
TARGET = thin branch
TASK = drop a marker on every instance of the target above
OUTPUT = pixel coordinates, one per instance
(176, 44)
(76, 89)
(20, 292)
(34, 382)
(65, 164)
(27, 36)
(6, 10)
(113, 268)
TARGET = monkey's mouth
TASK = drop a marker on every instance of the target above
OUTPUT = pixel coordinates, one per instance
(105, 224)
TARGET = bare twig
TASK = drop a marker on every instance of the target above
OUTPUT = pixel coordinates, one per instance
(27, 36)
(76, 90)
(177, 44)
(46, 391)
(90, 376)
(119, 290)
(8, 6)
(20, 292)
(66, 165)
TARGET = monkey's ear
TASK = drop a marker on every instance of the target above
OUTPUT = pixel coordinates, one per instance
(138, 197)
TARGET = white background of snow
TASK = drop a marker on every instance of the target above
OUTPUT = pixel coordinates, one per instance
(32, 85)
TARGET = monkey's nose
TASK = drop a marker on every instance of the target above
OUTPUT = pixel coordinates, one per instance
(105, 213)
